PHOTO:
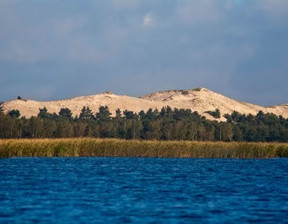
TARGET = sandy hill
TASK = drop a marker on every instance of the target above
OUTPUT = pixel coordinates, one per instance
(199, 100)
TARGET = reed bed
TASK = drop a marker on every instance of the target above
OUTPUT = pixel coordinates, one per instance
(88, 147)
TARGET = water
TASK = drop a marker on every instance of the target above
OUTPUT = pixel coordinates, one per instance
(143, 190)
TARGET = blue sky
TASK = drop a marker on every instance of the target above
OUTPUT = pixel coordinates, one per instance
(55, 49)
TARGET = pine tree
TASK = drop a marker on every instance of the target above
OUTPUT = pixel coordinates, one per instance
(1, 107)
(43, 113)
(14, 113)
(103, 115)
(65, 112)
(86, 113)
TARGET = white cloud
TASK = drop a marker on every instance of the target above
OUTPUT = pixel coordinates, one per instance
(148, 20)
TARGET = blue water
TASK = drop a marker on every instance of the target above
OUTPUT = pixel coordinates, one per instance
(143, 190)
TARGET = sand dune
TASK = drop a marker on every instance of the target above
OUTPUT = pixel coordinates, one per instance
(200, 100)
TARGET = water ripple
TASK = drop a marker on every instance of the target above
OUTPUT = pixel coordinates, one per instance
(143, 190)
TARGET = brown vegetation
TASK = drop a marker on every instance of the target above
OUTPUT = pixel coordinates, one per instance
(88, 147)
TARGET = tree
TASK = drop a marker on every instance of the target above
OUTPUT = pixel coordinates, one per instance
(64, 129)
(228, 118)
(14, 113)
(179, 130)
(79, 129)
(250, 134)
(36, 127)
(118, 113)
(260, 116)
(130, 115)
(7, 126)
(49, 128)
(133, 129)
(166, 112)
(152, 130)
(237, 134)
(1, 107)
(224, 131)
(43, 113)
(65, 112)
(235, 116)
(152, 115)
(86, 113)
(104, 114)
(215, 114)
(166, 129)
(168, 124)
(142, 114)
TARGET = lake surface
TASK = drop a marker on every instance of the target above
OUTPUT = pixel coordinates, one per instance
(143, 190)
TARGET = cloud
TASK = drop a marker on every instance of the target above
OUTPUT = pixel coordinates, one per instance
(148, 20)
(24, 43)
(27, 38)
(65, 26)
(276, 11)
(126, 3)
(196, 43)
(17, 52)
(275, 8)
(198, 12)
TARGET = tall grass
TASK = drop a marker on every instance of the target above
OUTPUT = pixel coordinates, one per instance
(135, 148)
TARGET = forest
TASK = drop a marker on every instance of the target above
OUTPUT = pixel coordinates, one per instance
(166, 124)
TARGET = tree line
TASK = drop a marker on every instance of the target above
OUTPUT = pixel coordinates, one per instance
(166, 124)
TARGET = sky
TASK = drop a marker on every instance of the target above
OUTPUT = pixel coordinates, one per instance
(57, 49)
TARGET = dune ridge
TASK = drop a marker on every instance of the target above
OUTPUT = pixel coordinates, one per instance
(200, 100)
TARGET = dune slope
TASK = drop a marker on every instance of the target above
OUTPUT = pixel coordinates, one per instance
(200, 100)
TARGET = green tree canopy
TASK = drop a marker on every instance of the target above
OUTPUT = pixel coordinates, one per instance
(65, 112)
(14, 113)
(215, 114)
(118, 113)
(1, 107)
(86, 113)
(104, 114)
(130, 114)
(166, 124)
(43, 113)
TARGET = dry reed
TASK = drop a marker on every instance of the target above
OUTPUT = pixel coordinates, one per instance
(86, 147)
